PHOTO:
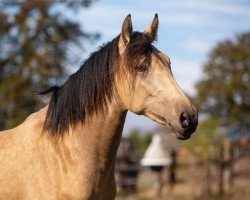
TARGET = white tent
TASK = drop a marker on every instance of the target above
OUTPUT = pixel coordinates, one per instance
(155, 154)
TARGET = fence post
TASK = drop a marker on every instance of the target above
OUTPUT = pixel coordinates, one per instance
(172, 168)
(228, 154)
(221, 170)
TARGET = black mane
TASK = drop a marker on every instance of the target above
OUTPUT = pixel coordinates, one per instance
(91, 87)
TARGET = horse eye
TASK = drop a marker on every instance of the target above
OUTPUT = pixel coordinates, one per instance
(141, 67)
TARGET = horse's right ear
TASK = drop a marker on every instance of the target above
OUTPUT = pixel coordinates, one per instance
(126, 33)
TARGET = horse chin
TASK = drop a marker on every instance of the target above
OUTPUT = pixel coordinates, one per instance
(182, 136)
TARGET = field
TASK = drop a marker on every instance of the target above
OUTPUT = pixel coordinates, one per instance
(191, 185)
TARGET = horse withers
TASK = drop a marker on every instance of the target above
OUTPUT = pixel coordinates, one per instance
(67, 150)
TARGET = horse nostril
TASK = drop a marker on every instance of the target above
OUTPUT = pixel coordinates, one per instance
(184, 120)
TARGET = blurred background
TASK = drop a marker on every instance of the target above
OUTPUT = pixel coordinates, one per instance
(208, 42)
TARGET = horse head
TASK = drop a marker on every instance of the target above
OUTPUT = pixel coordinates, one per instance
(145, 83)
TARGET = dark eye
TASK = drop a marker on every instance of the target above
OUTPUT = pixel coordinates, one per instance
(141, 67)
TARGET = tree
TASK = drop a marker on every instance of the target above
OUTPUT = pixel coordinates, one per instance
(223, 96)
(36, 39)
(139, 141)
(224, 91)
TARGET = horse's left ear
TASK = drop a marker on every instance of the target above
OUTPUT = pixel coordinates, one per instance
(152, 29)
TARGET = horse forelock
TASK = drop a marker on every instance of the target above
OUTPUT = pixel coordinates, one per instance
(139, 46)
(91, 87)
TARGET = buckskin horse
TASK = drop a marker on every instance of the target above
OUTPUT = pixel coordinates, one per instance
(67, 150)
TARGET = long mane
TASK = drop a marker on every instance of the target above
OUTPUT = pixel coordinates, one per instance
(91, 87)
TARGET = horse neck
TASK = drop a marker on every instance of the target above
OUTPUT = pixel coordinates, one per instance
(99, 137)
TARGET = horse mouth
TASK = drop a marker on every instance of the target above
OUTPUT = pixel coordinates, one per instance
(180, 134)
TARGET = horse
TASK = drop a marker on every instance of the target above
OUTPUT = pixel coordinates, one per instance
(67, 150)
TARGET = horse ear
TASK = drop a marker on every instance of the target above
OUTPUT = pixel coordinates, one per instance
(152, 29)
(126, 33)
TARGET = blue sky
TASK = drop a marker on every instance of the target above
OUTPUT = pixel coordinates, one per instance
(187, 31)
